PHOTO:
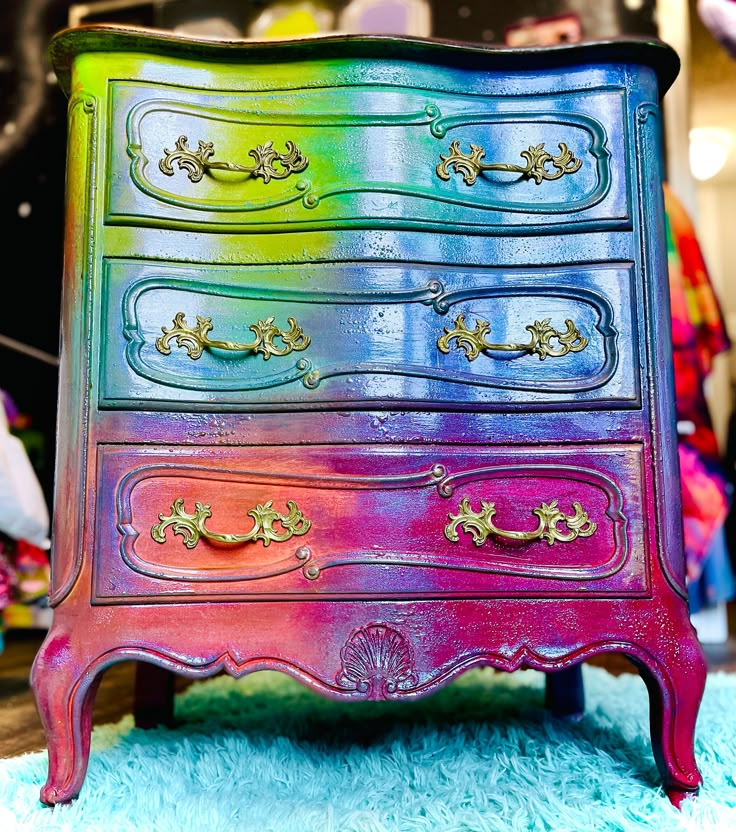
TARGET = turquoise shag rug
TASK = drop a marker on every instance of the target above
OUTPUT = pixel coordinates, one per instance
(265, 754)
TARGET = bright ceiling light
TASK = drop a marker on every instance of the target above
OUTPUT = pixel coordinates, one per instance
(709, 149)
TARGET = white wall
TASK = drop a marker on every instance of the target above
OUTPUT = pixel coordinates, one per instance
(673, 24)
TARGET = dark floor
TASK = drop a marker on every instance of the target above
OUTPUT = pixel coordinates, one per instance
(20, 729)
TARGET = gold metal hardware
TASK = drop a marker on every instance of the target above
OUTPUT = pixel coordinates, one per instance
(195, 339)
(473, 342)
(469, 165)
(480, 524)
(197, 162)
(192, 526)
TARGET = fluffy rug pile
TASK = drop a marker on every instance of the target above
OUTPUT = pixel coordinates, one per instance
(265, 754)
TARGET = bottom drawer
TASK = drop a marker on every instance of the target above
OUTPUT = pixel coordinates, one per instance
(429, 521)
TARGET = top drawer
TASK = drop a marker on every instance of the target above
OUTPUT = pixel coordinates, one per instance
(366, 156)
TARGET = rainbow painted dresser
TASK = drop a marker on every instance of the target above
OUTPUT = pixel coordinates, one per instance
(366, 372)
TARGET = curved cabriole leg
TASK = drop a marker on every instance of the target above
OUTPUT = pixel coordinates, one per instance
(675, 681)
(64, 688)
(564, 695)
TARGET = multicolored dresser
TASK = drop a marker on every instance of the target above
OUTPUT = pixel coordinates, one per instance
(366, 372)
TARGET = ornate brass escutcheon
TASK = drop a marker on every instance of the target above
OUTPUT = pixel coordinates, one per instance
(196, 339)
(473, 342)
(480, 524)
(469, 165)
(192, 526)
(198, 162)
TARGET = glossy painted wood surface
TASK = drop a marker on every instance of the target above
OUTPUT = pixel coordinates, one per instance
(69, 45)
(374, 335)
(364, 649)
(367, 459)
(372, 150)
(375, 521)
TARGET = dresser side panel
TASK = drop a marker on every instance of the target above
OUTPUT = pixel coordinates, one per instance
(73, 394)
(660, 379)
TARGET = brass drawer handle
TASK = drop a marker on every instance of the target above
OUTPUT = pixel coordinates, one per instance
(469, 165)
(196, 339)
(480, 524)
(192, 526)
(473, 342)
(197, 162)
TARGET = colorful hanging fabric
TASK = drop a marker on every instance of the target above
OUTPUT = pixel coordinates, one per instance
(25, 573)
(699, 334)
(24, 581)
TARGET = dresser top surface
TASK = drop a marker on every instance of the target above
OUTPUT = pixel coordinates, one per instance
(68, 43)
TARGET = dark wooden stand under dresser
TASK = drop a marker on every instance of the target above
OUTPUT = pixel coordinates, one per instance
(366, 372)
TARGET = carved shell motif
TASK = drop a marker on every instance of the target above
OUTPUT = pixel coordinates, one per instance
(377, 660)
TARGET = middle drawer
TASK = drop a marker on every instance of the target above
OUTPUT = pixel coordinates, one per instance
(181, 337)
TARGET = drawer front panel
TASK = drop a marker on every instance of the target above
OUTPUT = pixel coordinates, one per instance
(319, 158)
(322, 521)
(371, 335)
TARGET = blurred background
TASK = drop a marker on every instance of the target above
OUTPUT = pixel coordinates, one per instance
(700, 199)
